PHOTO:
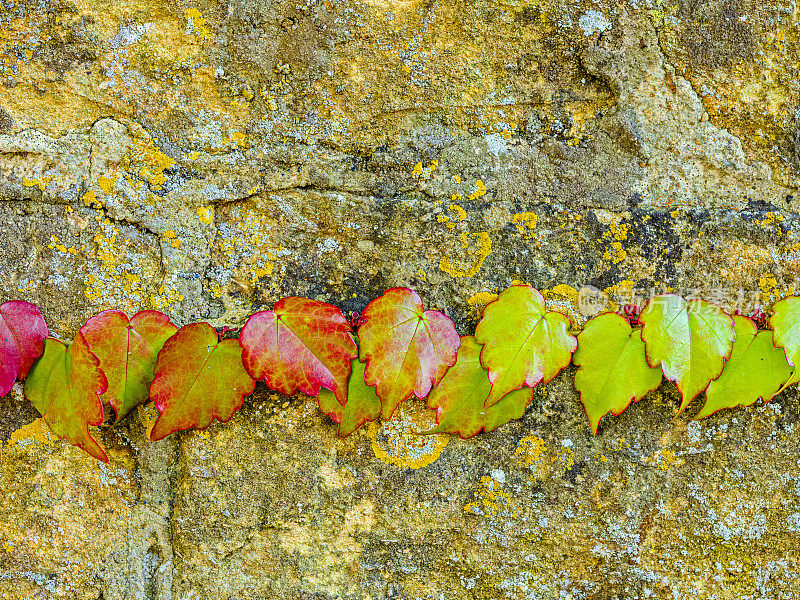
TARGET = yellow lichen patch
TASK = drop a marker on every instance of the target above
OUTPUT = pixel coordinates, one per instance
(30, 438)
(479, 301)
(40, 183)
(665, 459)
(562, 291)
(492, 499)
(90, 200)
(424, 172)
(525, 222)
(480, 190)
(623, 293)
(172, 238)
(770, 219)
(565, 299)
(533, 454)
(481, 249)
(530, 450)
(397, 441)
(106, 183)
(767, 283)
(459, 215)
(145, 160)
(206, 214)
(55, 244)
(166, 298)
(116, 272)
(196, 23)
(617, 233)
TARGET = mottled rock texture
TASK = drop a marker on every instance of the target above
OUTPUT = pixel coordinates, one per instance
(208, 158)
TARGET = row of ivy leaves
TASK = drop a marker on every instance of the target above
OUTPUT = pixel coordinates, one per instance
(475, 383)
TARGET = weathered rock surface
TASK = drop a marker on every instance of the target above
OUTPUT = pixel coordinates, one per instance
(206, 159)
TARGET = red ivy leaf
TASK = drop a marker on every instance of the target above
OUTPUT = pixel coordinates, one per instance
(362, 403)
(127, 351)
(65, 386)
(197, 379)
(407, 350)
(522, 343)
(459, 398)
(300, 344)
(22, 334)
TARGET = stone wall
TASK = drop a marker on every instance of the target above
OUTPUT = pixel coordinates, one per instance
(206, 159)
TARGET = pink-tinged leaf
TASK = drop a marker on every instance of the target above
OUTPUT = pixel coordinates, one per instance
(459, 398)
(689, 340)
(197, 379)
(612, 368)
(756, 369)
(65, 386)
(785, 323)
(362, 404)
(22, 334)
(523, 344)
(300, 344)
(407, 349)
(127, 350)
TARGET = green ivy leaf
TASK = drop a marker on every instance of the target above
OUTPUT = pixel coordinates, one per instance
(690, 340)
(756, 369)
(522, 343)
(127, 349)
(362, 404)
(65, 386)
(785, 325)
(407, 349)
(198, 378)
(459, 399)
(612, 368)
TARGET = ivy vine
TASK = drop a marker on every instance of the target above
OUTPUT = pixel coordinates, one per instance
(363, 367)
